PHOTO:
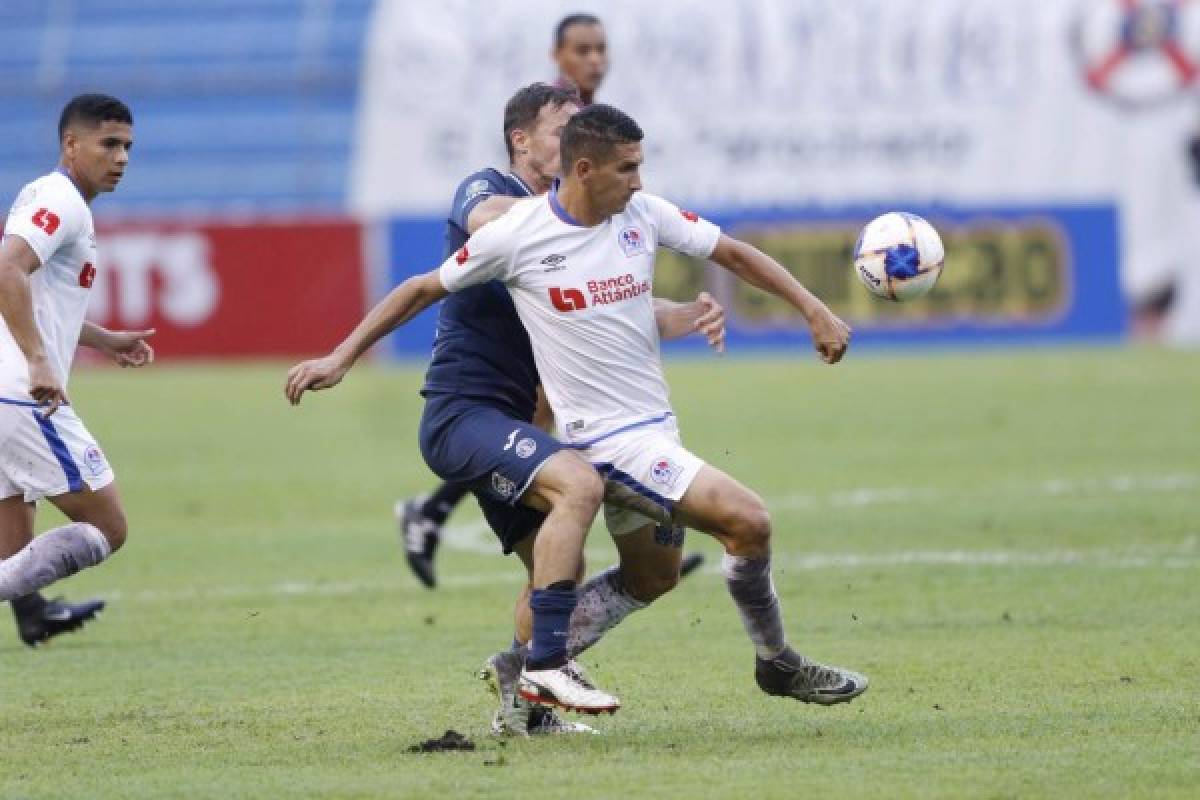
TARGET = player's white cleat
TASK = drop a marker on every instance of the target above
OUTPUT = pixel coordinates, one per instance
(792, 675)
(516, 716)
(566, 687)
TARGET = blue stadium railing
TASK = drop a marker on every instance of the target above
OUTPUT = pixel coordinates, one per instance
(242, 106)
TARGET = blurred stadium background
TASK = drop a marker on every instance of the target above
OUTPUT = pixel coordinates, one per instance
(294, 159)
(1007, 544)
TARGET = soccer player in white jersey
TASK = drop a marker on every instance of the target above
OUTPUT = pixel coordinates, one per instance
(591, 323)
(47, 265)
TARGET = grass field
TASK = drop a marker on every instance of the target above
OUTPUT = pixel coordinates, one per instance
(1007, 543)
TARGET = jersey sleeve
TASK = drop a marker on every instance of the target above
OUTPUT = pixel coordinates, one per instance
(486, 256)
(45, 218)
(682, 231)
(473, 191)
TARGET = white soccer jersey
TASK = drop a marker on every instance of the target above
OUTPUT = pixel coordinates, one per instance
(584, 296)
(51, 216)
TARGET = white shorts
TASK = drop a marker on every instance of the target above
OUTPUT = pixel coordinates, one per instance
(646, 470)
(47, 456)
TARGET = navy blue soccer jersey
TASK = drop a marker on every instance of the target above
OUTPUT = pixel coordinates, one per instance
(481, 350)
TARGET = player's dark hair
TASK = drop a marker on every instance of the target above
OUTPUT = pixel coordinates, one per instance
(522, 109)
(569, 21)
(93, 109)
(594, 132)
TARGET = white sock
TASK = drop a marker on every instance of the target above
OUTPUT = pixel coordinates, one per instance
(603, 602)
(753, 592)
(54, 555)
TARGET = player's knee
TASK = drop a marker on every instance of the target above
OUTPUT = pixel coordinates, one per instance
(115, 529)
(752, 526)
(584, 488)
(647, 587)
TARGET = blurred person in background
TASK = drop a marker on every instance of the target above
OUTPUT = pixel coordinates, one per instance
(581, 53)
(47, 266)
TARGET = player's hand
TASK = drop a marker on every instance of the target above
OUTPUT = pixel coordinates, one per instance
(830, 335)
(129, 348)
(314, 374)
(45, 388)
(711, 321)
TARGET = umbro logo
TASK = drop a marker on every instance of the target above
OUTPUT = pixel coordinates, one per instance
(554, 263)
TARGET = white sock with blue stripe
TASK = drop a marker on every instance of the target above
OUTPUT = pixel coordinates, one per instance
(54, 555)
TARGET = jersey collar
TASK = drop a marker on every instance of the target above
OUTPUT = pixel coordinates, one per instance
(521, 183)
(67, 175)
(558, 210)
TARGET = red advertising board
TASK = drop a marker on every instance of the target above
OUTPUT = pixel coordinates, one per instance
(232, 290)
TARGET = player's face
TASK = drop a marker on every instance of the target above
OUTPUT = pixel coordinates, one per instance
(611, 184)
(544, 151)
(98, 154)
(583, 56)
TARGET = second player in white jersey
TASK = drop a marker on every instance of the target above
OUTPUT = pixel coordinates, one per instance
(584, 295)
(47, 266)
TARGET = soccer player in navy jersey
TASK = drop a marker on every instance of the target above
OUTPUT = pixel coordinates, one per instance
(481, 392)
(581, 54)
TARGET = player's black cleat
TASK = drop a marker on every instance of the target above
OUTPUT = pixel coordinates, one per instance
(691, 562)
(420, 536)
(792, 675)
(55, 617)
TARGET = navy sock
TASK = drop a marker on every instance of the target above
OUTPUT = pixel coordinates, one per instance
(552, 609)
(442, 501)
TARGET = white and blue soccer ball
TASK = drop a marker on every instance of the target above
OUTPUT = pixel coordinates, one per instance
(899, 256)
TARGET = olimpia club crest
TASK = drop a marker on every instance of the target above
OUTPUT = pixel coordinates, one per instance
(1138, 53)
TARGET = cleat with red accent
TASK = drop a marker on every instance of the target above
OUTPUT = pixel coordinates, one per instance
(566, 687)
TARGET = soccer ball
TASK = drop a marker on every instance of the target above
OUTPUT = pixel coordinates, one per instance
(899, 256)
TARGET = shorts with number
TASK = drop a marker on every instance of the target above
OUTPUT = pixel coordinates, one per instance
(46, 456)
(646, 469)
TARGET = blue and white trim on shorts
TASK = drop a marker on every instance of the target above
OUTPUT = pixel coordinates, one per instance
(55, 441)
(8, 401)
(59, 448)
(623, 429)
(610, 473)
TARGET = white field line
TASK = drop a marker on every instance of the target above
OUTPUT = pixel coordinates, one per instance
(477, 538)
(1185, 556)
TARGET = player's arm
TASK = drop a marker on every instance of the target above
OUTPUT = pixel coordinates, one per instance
(704, 315)
(17, 262)
(402, 304)
(830, 335)
(127, 348)
(487, 210)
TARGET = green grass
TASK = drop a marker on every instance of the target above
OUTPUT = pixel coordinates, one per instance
(1020, 583)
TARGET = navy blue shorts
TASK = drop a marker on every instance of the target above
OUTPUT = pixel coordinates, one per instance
(467, 441)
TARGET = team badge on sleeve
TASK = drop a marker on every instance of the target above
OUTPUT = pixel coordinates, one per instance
(477, 188)
(462, 255)
(690, 216)
(632, 242)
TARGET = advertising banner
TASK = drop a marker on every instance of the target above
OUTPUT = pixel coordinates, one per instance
(269, 289)
(1042, 113)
